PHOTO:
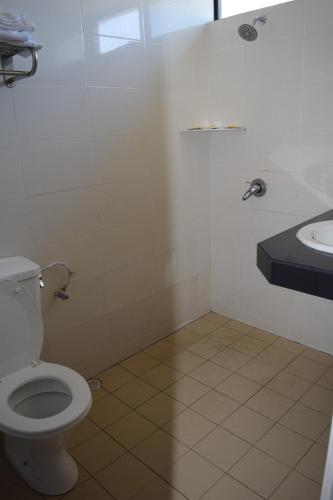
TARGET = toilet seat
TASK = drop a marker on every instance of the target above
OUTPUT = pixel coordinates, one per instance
(19, 425)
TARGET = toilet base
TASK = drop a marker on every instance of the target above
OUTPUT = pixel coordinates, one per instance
(43, 464)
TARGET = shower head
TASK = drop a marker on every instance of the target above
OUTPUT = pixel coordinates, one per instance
(248, 32)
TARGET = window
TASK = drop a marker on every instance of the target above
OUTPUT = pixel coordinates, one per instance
(227, 8)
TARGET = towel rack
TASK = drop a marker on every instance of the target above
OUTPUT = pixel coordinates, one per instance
(10, 75)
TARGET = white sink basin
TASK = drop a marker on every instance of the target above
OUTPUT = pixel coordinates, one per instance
(318, 236)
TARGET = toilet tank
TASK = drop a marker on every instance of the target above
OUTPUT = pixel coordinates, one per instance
(21, 270)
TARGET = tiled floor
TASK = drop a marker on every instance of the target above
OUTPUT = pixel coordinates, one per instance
(217, 411)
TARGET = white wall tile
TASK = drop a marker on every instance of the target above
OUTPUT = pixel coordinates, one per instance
(128, 108)
(122, 202)
(40, 116)
(318, 104)
(16, 236)
(121, 158)
(50, 166)
(11, 183)
(60, 61)
(7, 122)
(114, 61)
(62, 215)
(122, 18)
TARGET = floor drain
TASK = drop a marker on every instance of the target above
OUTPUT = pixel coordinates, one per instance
(94, 384)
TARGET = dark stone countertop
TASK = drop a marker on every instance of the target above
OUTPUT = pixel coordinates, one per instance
(286, 262)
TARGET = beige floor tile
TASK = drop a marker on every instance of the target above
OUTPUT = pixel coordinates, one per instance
(247, 424)
(185, 361)
(131, 430)
(81, 432)
(139, 363)
(276, 356)
(97, 452)
(270, 403)
(135, 393)
(289, 385)
(125, 477)
(206, 348)
(297, 487)
(160, 490)
(229, 489)
(20, 491)
(305, 421)
(202, 326)
(239, 388)
(320, 399)
(97, 394)
(108, 410)
(160, 451)
(88, 491)
(258, 371)
(187, 390)
(321, 357)
(189, 427)
(215, 406)
(307, 369)
(162, 350)
(216, 318)
(160, 409)
(115, 377)
(313, 464)
(83, 475)
(239, 326)
(324, 438)
(326, 380)
(224, 336)
(249, 345)
(290, 345)
(222, 448)
(210, 374)
(263, 335)
(183, 338)
(284, 444)
(192, 475)
(231, 359)
(260, 472)
(162, 376)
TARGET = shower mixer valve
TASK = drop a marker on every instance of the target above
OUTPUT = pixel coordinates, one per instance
(257, 188)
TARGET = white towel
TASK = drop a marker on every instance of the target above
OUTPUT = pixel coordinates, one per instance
(16, 31)
(15, 36)
(12, 22)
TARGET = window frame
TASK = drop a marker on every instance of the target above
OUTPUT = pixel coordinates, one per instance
(216, 10)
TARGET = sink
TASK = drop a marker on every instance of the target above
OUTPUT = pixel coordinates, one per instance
(318, 236)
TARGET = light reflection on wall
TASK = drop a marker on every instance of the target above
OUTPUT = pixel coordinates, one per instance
(127, 24)
(168, 17)
(107, 44)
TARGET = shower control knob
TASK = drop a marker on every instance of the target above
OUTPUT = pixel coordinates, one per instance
(257, 188)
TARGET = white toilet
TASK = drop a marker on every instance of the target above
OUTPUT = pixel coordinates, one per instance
(39, 401)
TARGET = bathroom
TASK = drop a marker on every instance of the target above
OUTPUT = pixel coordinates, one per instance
(123, 163)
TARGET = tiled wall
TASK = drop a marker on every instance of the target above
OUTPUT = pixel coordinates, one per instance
(95, 173)
(280, 88)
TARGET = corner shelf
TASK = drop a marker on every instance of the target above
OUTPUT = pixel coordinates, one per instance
(7, 52)
(221, 129)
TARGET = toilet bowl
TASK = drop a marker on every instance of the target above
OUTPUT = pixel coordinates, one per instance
(39, 401)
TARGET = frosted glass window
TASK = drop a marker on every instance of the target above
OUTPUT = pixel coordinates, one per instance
(232, 7)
